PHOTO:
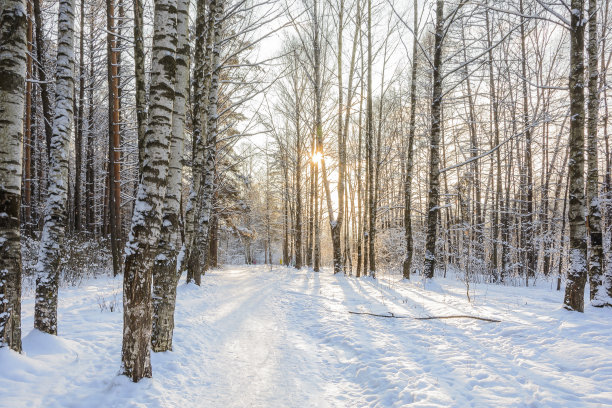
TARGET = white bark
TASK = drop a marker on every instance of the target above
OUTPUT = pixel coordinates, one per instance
(147, 218)
(199, 249)
(576, 276)
(13, 23)
(45, 316)
(166, 271)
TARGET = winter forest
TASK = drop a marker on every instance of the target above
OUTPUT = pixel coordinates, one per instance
(290, 203)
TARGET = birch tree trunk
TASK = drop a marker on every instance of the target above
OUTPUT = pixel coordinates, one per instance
(203, 44)
(407, 265)
(371, 207)
(196, 161)
(166, 271)
(89, 157)
(527, 227)
(576, 276)
(47, 269)
(139, 74)
(13, 47)
(429, 264)
(42, 76)
(28, 128)
(499, 207)
(199, 249)
(298, 169)
(78, 142)
(336, 226)
(607, 270)
(147, 218)
(599, 295)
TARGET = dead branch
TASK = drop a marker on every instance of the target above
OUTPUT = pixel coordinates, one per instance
(391, 315)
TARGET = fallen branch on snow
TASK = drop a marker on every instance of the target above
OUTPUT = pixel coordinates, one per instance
(391, 315)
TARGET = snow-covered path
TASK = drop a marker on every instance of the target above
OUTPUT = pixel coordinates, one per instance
(256, 337)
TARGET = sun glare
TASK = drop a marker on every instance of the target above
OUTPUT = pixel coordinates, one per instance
(316, 157)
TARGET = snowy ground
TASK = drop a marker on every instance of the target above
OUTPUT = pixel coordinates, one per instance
(255, 337)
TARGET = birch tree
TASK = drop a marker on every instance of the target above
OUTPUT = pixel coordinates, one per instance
(577, 274)
(140, 250)
(598, 284)
(166, 270)
(47, 269)
(407, 265)
(13, 25)
(434, 147)
(202, 54)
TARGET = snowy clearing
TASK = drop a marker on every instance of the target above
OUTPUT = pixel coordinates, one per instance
(256, 337)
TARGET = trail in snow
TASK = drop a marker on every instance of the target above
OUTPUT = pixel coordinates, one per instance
(261, 337)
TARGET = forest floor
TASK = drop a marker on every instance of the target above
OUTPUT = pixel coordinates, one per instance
(275, 337)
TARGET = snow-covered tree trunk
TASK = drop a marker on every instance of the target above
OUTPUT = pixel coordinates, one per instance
(527, 225)
(13, 23)
(166, 271)
(498, 206)
(336, 227)
(407, 264)
(577, 274)
(599, 289)
(141, 247)
(78, 140)
(42, 74)
(47, 269)
(371, 206)
(198, 253)
(89, 160)
(202, 55)
(429, 264)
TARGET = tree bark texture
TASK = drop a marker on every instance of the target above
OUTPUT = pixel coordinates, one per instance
(13, 47)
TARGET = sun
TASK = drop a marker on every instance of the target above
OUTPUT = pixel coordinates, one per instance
(317, 157)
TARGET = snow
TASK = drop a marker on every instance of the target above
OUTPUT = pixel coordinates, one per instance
(275, 337)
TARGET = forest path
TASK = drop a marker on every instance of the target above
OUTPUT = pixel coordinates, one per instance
(276, 337)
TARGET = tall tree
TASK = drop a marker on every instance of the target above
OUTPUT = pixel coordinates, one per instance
(598, 292)
(577, 274)
(89, 155)
(114, 136)
(139, 74)
(499, 208)
(13, 47)
(198, 253)
(47, 278)
(298, 93)
(407, 264)
(202, 55)
(434, 147)
(527, 189)
(78, 140)
(28, 131)
(336, 225)
(371, 208)
(166, 272)
(141, 247)
(42, 75)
